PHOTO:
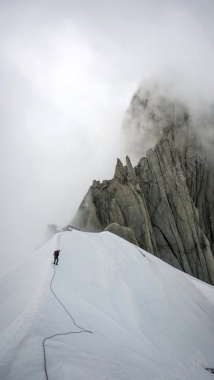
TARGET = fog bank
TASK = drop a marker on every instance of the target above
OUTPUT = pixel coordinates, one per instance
(68, 72)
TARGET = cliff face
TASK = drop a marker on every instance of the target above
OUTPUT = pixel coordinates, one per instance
(167, 199)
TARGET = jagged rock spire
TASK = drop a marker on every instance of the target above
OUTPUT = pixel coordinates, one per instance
(120, 172)
(167, 200)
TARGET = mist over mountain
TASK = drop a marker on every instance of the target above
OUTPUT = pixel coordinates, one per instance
(68, 71)
(157, 106)
(110, 308)
(167, 199)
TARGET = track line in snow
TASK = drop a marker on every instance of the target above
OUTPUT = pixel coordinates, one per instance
(60, 334)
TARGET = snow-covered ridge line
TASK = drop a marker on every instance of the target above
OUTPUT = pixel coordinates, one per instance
(146, 317)
(82, 330)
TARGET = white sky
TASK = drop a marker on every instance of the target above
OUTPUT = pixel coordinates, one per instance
(68, 72)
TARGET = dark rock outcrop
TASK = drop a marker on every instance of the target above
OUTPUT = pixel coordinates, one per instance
(167, 200)
(124, 232)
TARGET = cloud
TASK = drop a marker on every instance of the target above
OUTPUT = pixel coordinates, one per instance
(59, 130)
(69, 71)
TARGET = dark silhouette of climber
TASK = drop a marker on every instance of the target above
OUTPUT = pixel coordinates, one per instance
(56, 257)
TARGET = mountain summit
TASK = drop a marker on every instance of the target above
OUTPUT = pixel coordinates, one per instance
(165, 203)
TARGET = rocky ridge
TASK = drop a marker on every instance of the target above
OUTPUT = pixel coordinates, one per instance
(166, 200)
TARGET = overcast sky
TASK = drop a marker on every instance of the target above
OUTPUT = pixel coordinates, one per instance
(68, 72)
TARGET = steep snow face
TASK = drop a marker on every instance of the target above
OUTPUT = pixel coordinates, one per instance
(149, 320)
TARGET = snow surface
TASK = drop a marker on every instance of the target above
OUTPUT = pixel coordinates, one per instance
(149, 320)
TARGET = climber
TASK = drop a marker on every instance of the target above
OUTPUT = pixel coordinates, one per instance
(56, 257)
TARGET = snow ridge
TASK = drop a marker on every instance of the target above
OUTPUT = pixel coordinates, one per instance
(60, 334)
(149, 320)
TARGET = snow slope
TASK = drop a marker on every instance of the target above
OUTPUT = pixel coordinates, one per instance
(149, 320)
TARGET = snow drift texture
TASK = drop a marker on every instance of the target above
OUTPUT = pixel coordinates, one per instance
(149, 320)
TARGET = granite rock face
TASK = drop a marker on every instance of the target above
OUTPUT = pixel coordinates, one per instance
(124, 232)
(167, 200)
(118, 201)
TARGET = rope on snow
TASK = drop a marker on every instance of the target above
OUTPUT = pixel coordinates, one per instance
(68, 333)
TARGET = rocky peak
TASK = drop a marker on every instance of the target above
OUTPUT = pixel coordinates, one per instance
(168, 198)
(131, 175)
(120, 172)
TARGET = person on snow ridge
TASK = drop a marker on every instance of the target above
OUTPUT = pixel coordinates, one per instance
(56, 257)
